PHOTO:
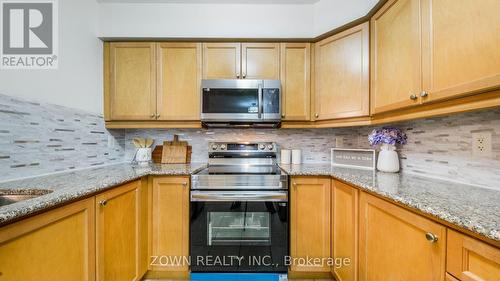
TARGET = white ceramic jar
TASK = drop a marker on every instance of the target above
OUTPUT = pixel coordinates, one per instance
(388, 159)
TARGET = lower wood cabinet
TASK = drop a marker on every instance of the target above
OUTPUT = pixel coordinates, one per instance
(345, 231)
(169, 237)
(56, 245)
(396, 244)
(309, 222)
(471, 260)
(119, 233)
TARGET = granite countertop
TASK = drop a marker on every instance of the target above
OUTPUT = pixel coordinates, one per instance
(66, 187)
(469, 207)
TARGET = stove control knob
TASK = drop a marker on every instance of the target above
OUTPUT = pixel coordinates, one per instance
(214, 147)
(222, 146)
(262, 146)
(270, 147)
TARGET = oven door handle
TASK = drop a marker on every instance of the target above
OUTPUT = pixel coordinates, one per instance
(231, 196)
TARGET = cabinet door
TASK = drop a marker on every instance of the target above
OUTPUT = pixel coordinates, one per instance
(396, 56)
(295, 81)
(393, 243)
(470, 259)
(57, 245)
(221, 60)
(309, 222)
(118, 233)
(132, 81)
(260, 60)
(179, 79)
(461, 53)
(170, 223)
(342, 75)
(345, 230)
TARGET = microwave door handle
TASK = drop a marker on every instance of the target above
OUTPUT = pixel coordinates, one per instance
(260, 105)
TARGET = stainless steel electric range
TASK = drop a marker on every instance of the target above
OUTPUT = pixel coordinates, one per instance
(239, 210)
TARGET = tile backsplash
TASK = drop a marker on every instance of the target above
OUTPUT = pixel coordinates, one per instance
(37, 138)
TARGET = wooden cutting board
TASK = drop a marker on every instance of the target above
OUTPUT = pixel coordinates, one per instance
(158, 153)
(174, 152)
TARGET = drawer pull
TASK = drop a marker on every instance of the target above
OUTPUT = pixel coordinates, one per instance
(431, 237)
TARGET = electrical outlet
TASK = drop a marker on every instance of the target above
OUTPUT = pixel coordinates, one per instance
(481, 144)
(339, 142)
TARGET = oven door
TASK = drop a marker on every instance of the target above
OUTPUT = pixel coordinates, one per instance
(239, 231)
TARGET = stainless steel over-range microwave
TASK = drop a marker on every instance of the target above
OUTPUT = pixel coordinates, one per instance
(240, 103)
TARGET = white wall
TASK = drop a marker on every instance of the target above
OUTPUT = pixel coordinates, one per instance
(205, 20)
(330, 14)
(78, 80)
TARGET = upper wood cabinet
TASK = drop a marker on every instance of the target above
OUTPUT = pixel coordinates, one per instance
(470, 259)
(221, 60)
(57, 245)
(461, 42)
(342, 75)
(132, 81)
(310, 221)
(345, 230)
(396, 56)
(119, 233)
(296, 81)
(260, 60)
(170, 221)
(396, 244)
(179, 79)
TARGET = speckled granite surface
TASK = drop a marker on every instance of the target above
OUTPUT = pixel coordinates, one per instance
(66, 187)
(469, 207)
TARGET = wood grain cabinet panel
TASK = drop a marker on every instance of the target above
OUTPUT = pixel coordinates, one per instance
(471, 260)
(260, 60)
(461, 53)
(345, 230)
(221, 60)
(119, 233)
(56, 245)
(394, 245)
(310, 222)
(132, 83)
(170, 222)
(396, 56)
(296, 81)
(342, 75)
(179, 81)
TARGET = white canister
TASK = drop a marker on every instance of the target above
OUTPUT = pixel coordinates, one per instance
(388, 159)
(286, 156)
(143, 155)
(296, 156)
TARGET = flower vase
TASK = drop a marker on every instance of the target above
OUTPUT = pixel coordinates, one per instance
(388, 159)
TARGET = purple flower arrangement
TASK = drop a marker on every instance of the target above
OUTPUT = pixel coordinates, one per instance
(387, 135)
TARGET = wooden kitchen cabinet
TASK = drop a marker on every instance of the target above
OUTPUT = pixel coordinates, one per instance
(460, 47)
(471, 260)
(260, 61)
(179, 81)
(396, 244)
(169, 222)
(132, 81)
(120, 232)
(345, 230)
(396, 56)
(342, 75)
(221, 60)
(56, 245)
(310, 222)
(296, 81)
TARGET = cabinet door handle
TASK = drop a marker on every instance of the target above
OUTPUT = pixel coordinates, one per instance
(294, 184)
(153, 115)
(424, 94)
(158, 115)
(238, 75)
(431, 237)
(282, 115)
(184, 184)
(244, 75)
(103, 203)
(413, 97)
(316, 115)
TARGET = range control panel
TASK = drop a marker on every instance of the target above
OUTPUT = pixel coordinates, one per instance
(242, 147)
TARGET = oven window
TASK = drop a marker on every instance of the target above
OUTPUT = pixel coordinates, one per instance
(239, 228)
(230, 100)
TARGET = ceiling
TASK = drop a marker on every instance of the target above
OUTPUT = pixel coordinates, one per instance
(215, 1)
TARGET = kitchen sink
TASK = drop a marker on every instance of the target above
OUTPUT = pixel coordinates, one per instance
(11, 196)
